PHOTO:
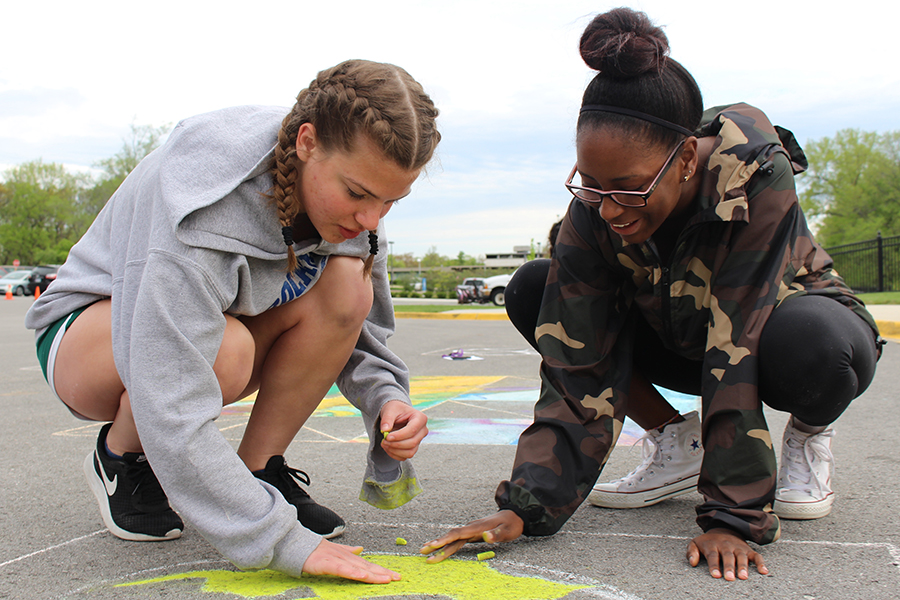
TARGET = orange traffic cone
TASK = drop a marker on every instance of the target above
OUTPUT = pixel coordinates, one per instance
(9, 292)
(37, 292)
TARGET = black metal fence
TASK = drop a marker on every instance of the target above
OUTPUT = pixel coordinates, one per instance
(869, 266)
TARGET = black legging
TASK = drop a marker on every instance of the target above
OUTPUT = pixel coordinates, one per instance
(815, 355)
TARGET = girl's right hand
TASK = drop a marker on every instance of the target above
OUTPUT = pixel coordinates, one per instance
(724, 546)
(504, 526)
(344, 561)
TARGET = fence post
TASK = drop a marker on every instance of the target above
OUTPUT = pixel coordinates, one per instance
(880, 247)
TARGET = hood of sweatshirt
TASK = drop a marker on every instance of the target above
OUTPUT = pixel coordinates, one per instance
(214, 179)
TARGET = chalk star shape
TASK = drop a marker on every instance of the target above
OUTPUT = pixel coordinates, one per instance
(456, 579)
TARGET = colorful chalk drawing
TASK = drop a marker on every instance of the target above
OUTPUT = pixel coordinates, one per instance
(454, 579)
(504, 407)
(511, 396)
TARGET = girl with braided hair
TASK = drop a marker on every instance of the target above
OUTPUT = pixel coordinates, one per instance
(242, 257)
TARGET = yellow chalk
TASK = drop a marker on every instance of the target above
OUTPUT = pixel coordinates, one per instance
(401, 542)
(485, 555)
(385, 433)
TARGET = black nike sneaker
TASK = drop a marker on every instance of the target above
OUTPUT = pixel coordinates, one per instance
(313, 516)
(133, 504)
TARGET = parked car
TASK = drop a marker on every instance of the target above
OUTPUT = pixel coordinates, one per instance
(4, 269)
(17, 281)
(483, 290)
(41, 277)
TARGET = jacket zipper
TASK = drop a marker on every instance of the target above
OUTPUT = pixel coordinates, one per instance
(666, 308)
(664, 284)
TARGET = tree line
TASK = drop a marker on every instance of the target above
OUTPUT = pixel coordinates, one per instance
(850, 192)
(45, 208)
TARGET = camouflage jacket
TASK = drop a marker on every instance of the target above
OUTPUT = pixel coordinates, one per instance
(744, 250)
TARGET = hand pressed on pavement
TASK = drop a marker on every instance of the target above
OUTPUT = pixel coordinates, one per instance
(504, 526)
(726, 552)
(344, 561)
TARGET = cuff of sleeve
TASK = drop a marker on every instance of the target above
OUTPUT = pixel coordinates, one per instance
(292, 551)
(761, 527)
(515, 509)
(392, 494)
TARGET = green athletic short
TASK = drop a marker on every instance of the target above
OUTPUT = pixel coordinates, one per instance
(48, 344)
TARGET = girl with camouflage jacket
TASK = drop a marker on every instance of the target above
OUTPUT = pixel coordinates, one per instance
(685, 261)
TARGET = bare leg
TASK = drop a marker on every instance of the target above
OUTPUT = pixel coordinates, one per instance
(647, 407)
(88, 382)
(296, 352)
(302, 347)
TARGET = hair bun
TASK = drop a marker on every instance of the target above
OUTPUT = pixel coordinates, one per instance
(623, 43)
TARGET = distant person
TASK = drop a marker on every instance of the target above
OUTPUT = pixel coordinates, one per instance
(236, 259)
(551, 238)
(686, 262)
(528, 280)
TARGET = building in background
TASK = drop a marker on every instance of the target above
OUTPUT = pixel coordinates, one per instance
(517, 257)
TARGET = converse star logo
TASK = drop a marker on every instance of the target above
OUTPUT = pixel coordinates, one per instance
(110, 485)
(694, 446)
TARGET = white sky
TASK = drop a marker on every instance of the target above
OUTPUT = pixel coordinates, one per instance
(506, 76)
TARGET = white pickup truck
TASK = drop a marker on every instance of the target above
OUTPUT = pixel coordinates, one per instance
(483, 289)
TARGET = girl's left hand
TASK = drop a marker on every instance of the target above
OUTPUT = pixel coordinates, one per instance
(407, 427)
(725, 547)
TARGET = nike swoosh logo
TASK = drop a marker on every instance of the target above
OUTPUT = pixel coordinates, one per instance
(110, 485)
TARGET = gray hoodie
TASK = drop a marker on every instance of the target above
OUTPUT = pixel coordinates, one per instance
(186, 238)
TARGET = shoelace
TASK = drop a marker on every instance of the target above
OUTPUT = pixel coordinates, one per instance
(651, 454)
(290, 477)
(147, 487)
(802, 451)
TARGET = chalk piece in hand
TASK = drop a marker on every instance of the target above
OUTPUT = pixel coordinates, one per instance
(401, 542)
(385, 433)
(485, 555)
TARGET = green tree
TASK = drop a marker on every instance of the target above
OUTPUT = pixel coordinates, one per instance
(852, 187)
(433, 259)
(45, 209)
(463, 259)
(407, 259)
(143, 140)
(43, 212)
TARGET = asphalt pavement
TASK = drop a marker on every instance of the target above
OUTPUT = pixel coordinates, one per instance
(53, 543)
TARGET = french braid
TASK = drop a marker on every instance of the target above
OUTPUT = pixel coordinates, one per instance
(380, 100)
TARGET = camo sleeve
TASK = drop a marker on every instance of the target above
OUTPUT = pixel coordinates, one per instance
(766, 253)
(583, 337)
(745, 250)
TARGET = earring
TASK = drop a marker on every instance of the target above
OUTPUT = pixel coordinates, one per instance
(688, 176)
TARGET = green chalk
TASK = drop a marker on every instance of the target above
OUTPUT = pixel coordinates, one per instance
(485, 555)
(385, 433)
(401, 542)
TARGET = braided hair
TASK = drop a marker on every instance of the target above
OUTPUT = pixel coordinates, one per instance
(379, 100)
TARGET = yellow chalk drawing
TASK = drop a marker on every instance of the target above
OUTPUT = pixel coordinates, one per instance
(456, 579)
(423, 391)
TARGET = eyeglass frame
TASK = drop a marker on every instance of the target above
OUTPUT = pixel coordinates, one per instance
(645, 195)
